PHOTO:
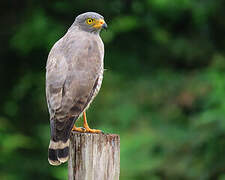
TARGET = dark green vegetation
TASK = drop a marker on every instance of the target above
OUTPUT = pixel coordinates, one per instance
(163, 90)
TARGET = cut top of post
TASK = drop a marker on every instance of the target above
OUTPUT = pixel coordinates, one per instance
(94, 156)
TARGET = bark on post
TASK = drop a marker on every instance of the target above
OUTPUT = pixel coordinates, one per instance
(94, 156)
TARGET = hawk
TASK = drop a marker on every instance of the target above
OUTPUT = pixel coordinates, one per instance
(74, 74)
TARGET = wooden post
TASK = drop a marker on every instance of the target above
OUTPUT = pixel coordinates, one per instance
(94, 156)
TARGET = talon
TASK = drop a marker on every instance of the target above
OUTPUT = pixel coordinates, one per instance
(93, 130)
(78, 129)
(87, 127)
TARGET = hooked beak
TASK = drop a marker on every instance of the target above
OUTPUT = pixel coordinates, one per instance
(100, 24)
(104, 26)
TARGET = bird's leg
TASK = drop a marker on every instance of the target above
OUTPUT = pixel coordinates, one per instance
(87, 129)
(78, 129)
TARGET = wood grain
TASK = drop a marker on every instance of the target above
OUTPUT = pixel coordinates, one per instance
(94, 156)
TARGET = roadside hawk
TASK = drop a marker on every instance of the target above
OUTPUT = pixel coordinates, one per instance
(74, 74)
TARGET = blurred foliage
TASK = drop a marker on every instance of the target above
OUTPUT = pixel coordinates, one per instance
(163, 89)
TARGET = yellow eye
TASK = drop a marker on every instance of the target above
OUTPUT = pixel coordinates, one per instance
(89, 21)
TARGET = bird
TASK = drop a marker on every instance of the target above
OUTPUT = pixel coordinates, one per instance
(74, 74)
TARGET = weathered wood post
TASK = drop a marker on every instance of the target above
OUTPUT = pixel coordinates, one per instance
(94, 156)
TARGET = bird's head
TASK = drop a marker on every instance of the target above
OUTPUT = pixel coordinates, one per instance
(90, 22)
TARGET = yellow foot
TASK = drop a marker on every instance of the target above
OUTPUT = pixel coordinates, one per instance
(78, 129)
(86, 127)
(89, 130)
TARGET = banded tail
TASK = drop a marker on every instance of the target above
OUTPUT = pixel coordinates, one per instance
(58, 152)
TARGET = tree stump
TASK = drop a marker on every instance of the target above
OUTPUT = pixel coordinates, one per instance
(94, 156)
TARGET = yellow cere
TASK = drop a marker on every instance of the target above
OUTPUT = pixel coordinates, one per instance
(98, 23)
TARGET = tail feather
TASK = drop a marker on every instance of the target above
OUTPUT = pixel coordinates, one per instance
(52, 157)
(63, 154)
(58, 152)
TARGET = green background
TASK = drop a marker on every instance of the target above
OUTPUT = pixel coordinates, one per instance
(163, 90)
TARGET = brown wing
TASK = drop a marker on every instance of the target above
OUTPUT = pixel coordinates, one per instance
(73, 68)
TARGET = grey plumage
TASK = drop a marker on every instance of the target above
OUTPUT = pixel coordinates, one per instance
(74, 75)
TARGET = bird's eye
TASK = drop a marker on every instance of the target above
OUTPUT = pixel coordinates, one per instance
(89, 21)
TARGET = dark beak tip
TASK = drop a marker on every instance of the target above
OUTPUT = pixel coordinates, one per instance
(104, 26)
